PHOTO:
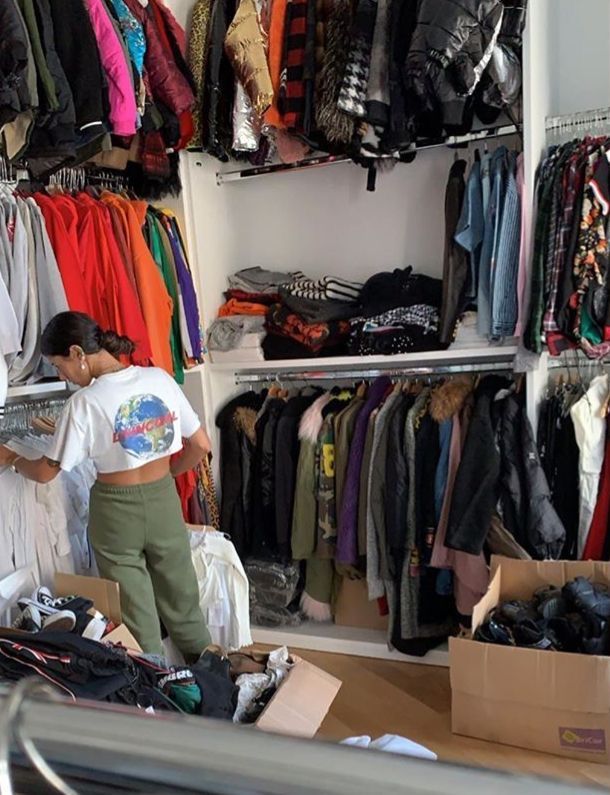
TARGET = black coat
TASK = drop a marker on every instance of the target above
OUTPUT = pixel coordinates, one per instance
(53, 140)
(525, 497)
(456, 261)
(77, 49)
(400, 131)
(219, 83)
(264, 538)
(449, 51)
(14, 94)
(287, 448)
(397, 473)
(234, 505)
(477, 483)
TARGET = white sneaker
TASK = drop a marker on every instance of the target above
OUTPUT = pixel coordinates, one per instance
(62, 621)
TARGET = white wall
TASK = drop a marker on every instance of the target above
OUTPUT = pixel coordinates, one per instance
(579, 33)
(321, 221)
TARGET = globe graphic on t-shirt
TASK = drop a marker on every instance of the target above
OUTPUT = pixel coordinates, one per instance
(144, 427)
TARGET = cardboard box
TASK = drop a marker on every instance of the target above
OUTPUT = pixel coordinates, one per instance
(547, 701)
(353, 608)
(105, 595)
(301, 702)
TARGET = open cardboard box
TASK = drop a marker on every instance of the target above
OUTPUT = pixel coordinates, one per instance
(353, 608)
(105, 596)
(301, 702)
(298, 707)
(548, 701)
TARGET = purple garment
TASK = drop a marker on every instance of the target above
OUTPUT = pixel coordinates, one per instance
(347, 534)
(187, 289)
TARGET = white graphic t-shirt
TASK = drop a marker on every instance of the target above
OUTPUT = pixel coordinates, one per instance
(124, 420)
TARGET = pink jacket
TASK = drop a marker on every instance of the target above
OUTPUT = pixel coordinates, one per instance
(121, 94)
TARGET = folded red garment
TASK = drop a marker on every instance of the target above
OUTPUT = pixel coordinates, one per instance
(253, 298)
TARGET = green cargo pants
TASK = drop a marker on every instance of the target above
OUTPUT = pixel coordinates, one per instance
(140, 541)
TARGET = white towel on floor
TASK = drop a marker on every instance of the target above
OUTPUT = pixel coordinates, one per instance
(392, 743)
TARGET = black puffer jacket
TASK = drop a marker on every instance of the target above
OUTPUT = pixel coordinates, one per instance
(450, 48)
(525, 496)
(501, 84)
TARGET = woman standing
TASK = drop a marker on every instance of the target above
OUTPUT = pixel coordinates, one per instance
(129, 421)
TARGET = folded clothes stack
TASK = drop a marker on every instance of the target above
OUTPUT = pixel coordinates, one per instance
(237, 333)
(393, 312)
(399, 314)
(249, 349)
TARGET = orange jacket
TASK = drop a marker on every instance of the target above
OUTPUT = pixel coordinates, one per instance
(157, 306)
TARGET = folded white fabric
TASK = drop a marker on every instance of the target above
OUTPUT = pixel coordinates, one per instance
(393, 744)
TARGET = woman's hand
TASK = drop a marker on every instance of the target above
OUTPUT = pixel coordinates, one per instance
(195, 450)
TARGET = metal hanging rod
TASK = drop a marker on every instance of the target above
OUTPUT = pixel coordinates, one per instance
(10, 173)
(575, 359)
(367, 373)
(580, 120)
(40, 390)
(329, 160)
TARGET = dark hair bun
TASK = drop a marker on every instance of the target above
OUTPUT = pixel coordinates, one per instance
(116, 344)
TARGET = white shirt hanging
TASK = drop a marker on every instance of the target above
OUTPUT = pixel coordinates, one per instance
(224, 591)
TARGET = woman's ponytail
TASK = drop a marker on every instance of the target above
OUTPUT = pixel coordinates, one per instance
(116, 344)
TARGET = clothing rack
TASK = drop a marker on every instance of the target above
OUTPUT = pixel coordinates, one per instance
(329, 160)
(576, 360)
(9, 173)
(367, 373)
(77, 179)
(580, 121)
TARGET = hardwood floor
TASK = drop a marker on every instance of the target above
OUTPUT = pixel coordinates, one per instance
(379, 697)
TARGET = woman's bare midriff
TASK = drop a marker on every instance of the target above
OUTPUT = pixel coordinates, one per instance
(149, 473)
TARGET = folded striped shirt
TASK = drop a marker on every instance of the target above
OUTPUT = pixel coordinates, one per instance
(325, 289)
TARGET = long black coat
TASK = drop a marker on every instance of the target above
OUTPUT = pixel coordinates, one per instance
(477, 483)
(234, 519)
(525, 496)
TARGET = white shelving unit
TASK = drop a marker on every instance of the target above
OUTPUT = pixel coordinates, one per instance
(44, 389)
(481, 354)
(322, 220)
(344, 640)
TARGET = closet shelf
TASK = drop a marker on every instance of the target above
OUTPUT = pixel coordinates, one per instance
(334, 639)
(488, 354)
(37, 390)
(329, 160)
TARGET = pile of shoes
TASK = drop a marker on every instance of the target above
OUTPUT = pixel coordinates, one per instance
(43, 612)
(575, 618)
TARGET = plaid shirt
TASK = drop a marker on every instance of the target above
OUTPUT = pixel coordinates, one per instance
(543, 195)
(571, 186)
